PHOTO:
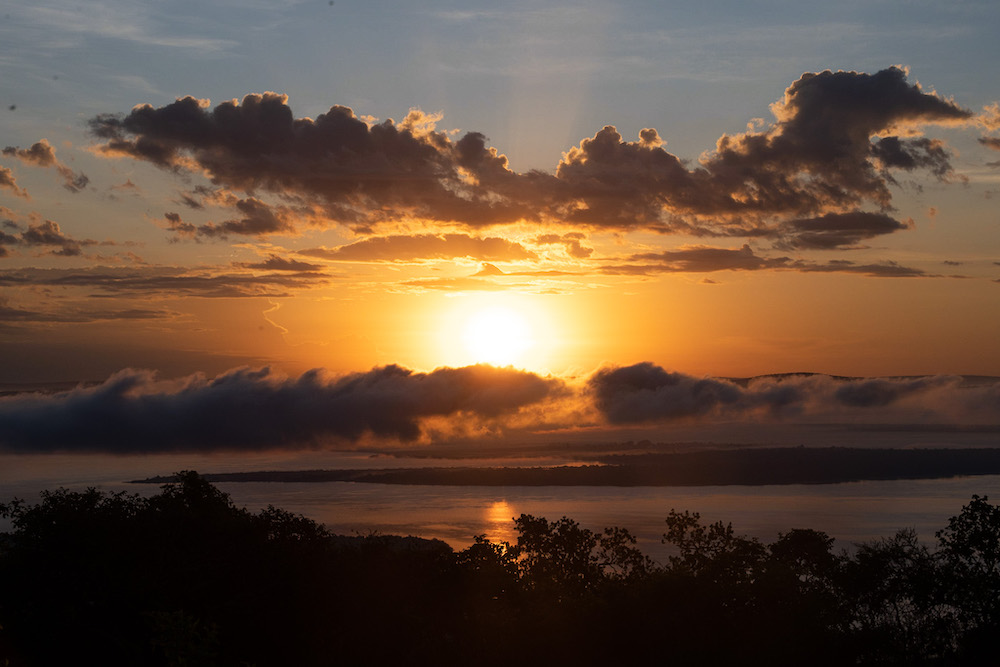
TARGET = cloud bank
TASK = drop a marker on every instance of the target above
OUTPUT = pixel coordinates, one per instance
(255, 409)
(646, 393)
(247, 409)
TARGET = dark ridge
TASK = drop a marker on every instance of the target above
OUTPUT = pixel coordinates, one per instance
(798, 465)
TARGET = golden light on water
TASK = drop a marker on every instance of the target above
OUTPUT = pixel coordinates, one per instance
(499, 517)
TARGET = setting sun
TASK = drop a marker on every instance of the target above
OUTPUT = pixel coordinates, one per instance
(497, 335)
(518, 330)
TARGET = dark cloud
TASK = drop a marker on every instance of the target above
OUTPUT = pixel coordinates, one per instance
(197, 198)
(256, 410)
(424, 247)
(645, 393)
(10, 313)
(991, 142)
(885, 270)
(836, 139)
(258, 219)
(8, 182)
(175, 224)
(356, 173)
(167, 282)
(276, 263)
(255, 216)
(698, 259)
(48, 233)
(838, 230)
(706, 259)
(879, 392)
(45, 234)
(910, 154)
(6, 240)
(42, 154)
(817, 158)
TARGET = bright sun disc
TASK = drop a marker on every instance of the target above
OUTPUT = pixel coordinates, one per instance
(497, 336)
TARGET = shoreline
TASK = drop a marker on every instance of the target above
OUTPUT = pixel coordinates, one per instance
(748, 467)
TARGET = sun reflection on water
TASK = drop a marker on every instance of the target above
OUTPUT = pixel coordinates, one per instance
(499, 519)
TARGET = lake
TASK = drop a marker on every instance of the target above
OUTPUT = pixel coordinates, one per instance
(850, 512)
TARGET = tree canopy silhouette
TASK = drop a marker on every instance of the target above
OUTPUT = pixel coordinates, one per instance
(185, 577)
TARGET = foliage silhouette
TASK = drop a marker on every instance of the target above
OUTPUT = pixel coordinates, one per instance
(187, 578)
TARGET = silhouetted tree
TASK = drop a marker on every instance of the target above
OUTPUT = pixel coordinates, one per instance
(187, 578)
(969, 573)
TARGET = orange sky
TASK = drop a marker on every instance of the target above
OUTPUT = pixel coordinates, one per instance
(590, 193)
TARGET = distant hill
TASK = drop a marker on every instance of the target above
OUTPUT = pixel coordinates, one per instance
(758, 466)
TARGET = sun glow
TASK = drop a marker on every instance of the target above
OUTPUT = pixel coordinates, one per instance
(497, 335)
(501, 330)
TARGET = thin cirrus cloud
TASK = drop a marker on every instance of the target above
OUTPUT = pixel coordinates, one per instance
(818, 177)
(255, 409)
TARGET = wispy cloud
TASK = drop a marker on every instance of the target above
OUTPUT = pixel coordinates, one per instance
(115, 20)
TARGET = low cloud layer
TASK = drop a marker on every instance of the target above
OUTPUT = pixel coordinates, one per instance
(818, 177)
(245, 409)
(255, 409)
(647, 393)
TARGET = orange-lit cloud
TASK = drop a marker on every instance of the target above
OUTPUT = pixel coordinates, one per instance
(8, 182)
(424, 247)
(42, 154)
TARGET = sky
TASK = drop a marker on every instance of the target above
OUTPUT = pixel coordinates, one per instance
(515, 215)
